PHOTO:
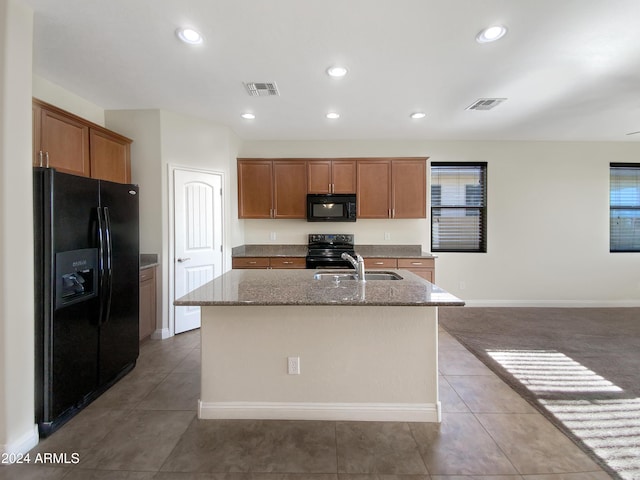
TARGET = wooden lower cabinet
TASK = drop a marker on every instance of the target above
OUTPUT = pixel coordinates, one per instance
(287, 262)
(147, 302)
(269, 262)
(380, 263)
(423, 267)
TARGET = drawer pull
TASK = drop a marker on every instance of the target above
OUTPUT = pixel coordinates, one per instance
(252, 262)
(378, 263)
(416, 263)
(287, 263)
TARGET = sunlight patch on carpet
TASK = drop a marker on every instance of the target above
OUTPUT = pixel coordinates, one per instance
(610, 427)
(551, 371)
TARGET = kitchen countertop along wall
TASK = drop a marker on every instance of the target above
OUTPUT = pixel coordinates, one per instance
(148, 260)
(368, 251)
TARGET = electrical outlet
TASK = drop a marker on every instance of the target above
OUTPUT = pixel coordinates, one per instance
(387, 236)
(272, 236)
(293, 365)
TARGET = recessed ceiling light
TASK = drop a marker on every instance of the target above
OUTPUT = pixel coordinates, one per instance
(333, 115)
(248, 116)
(337, 71)
(418, 115)
(189, 35)
(491, 34)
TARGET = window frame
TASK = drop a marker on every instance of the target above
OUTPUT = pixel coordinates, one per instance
(612, 208)
(481, 209)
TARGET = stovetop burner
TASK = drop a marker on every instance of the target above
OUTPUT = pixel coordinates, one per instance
(325, 250)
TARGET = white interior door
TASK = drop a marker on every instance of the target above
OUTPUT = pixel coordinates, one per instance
(198, 238)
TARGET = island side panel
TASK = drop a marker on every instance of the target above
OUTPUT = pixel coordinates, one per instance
(357, 363)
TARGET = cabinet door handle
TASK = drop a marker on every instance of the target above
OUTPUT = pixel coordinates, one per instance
(181, 260)
(393, 213)
(46, 155)
(40, 157)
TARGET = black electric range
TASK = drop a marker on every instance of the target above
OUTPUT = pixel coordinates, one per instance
(325, 250)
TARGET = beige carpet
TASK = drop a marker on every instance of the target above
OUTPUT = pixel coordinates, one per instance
(579, 366)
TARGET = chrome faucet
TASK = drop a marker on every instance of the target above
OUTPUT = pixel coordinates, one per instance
(358, 264)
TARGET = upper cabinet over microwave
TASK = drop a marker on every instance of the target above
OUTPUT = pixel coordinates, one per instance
(383, 187)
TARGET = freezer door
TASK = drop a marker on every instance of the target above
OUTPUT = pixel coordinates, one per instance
(66, 332)
(119, 326)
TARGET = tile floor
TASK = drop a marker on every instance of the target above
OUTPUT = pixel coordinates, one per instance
(145, 427)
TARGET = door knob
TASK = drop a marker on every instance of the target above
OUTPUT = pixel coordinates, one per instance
(180, 260)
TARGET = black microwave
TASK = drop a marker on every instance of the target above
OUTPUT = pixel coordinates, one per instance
(331, 207)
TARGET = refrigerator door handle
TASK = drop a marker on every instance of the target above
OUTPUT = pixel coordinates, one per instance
(109, 266)
(101, 266)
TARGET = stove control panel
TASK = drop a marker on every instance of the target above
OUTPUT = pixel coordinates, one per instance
(331, 239)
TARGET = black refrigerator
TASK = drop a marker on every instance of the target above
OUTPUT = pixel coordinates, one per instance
(86, 291)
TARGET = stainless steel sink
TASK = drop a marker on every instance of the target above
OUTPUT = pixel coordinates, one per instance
(382, 276)
(346, 275)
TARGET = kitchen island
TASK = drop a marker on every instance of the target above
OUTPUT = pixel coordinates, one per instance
(367, 351)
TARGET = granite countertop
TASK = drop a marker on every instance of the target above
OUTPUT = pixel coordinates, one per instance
(148, 260)
(369, 251)
(392, 251)
(298, 287)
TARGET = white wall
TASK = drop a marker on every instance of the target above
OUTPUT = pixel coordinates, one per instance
(548, 223)
(54, 94)
(162, 139)
(18, 432)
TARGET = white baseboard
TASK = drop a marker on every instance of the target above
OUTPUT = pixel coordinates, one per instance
(554, 303)
(373, 412)
(161, 334)
(21, 446)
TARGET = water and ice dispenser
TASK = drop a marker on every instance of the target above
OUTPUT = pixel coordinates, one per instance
(76, 276)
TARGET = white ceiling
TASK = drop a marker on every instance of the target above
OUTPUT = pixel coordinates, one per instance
(569, 68)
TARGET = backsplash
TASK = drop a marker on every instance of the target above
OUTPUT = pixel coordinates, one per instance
(370, 232)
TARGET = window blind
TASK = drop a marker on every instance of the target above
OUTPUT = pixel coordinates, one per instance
(458, 207)
(624, 207)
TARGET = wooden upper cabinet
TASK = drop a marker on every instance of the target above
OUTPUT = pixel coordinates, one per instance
(272, 188)
(344, 176)
(290, 188)
(392, 188)
(73, 145)
(331, 176)
(384, 187)
(110, 156)
(64, 143)
(409, 188)
(319, 176)
(255, 188)
(374, 188)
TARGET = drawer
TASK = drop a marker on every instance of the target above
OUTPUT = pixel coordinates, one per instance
(416, 263)
(147, 274)
(288, 262)
(380, 263)
(250, 262)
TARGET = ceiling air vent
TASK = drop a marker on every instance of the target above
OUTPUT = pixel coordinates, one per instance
(485, 103)
(261, 89)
